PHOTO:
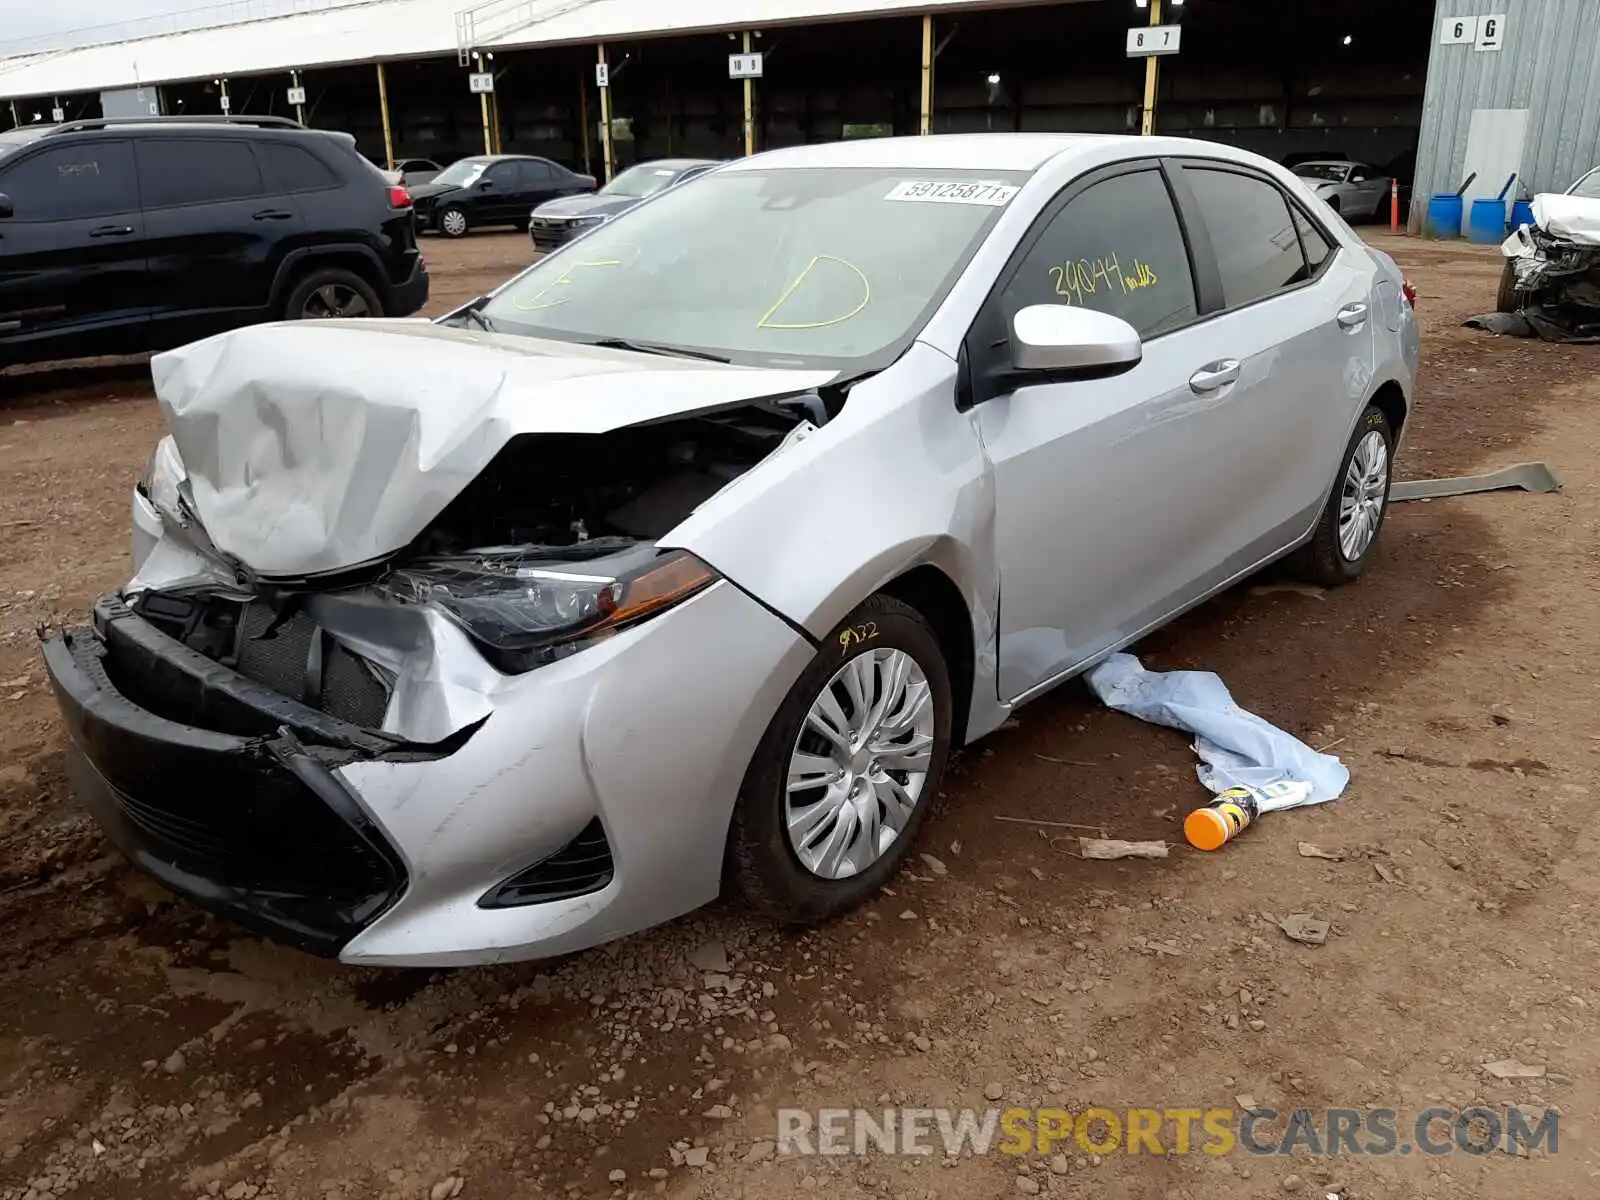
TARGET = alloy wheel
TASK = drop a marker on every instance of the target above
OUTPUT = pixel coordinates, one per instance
(454, 223)
(860, 763)
(1365, 490)
(335, 300)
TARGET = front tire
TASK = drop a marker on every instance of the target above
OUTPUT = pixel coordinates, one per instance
(1352, 519)
(452, 222)
(848, 769)
(1508, 297)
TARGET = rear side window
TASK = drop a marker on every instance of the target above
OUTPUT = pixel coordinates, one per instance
(64, 183)
(296, 169)
(196, 171)
(1312, 241)
(1257, 247)
(535, 173)
(1116, 247)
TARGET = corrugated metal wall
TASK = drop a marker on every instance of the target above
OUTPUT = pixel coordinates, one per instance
(1549, 64)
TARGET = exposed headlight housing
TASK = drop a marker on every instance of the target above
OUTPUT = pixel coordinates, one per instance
(524, 610)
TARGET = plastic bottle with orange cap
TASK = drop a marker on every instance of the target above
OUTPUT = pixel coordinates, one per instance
(1234, 810)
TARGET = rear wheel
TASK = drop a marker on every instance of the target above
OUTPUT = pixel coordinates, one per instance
(331, 292)
(1508, 297)
(1347, 532)
(846, 772)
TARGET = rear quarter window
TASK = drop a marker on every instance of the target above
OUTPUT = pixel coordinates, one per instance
(296, 169)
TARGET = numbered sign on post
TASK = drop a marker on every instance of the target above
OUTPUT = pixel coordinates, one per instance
(58, 115)
(744, 66)
(1458, 31)
(480, 83)
(297, 95)
(602, 75)
(1145, 40)
(1491, 32)
(225, 102)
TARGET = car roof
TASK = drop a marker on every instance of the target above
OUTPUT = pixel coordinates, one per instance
(681, 164)
(1327, 162)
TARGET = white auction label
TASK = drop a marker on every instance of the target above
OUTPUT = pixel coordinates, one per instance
(986, 192)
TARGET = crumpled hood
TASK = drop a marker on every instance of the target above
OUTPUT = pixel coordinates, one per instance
(1570, 218)
(316, 446)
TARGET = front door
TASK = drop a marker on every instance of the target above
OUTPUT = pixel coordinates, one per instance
(501, 196)
(72, 252)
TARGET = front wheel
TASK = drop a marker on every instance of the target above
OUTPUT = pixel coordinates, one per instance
(845, 774)
(453, 222)
(1348, 530)
(1508, 297)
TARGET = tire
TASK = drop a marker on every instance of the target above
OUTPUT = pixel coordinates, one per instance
(764, 863)
(1508, 297)
(1325, 559)
(331, 292)
(452, 221)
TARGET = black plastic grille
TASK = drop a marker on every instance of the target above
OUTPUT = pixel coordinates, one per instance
(582, 866)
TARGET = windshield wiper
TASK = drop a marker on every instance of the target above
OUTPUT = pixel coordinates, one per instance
(474, 313)
(613, 343)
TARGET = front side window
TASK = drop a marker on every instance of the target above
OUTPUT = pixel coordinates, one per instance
(64, 183)
(1252, 234)
(196, 171)
(827, 267)
(1117, 248)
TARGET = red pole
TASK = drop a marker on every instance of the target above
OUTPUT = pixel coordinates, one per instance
(1394, 206)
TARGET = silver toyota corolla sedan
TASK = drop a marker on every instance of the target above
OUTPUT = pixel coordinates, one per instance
(684, 559)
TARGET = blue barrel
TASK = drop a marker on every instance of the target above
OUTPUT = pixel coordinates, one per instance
(1521, 214)
(1444, 216)
(1486, 222)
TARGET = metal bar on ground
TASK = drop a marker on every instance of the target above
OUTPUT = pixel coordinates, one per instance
(605, 111)
(926, 125)
(1147, 124)
(383, 105)
(749, 106)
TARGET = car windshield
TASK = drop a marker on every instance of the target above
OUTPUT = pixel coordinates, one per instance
(1588, 186)
(816, 266)
(462, 174)
(643, 180)
(1329, 171)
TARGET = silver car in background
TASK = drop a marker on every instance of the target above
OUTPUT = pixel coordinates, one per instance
(1355, 190)
(685, 558)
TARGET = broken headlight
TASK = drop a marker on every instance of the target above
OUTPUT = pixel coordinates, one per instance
(525, 609)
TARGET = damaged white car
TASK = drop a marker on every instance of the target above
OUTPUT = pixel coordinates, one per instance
(686, 557)
(1552, 271)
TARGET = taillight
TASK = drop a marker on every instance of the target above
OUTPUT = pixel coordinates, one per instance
(1409, 292)
(399, 197)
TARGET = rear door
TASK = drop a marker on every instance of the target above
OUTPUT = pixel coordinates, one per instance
(72, 254)
(214, 233)
(1295, 326)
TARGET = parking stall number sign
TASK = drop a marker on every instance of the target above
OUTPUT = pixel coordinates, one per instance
(480, 83)
(744, 66)
(58, 115)
(297, 95)
(602, 75)
(1145, 40)
(1491, 32)
(1458, 31)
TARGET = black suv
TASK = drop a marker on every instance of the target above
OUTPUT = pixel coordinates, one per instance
(120, 236)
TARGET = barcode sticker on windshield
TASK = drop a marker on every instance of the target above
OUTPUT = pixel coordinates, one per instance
(986, 192)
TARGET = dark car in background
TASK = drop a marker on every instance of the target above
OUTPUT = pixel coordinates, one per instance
(556, 222)
(492, 189)
(128, 235)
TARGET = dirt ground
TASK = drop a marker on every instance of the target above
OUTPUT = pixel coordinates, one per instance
(147, 1051)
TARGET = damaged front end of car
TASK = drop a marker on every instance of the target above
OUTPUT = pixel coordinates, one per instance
(1551, 285)
(294, 619)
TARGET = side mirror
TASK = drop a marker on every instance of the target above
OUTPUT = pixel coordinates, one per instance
(1061, 341)
(5, 206)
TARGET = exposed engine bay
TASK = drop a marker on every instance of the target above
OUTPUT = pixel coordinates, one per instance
(549, 548)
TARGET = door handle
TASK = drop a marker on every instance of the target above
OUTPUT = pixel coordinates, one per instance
(1215, 375)
(1352, 316)
(271, 214)
(111, 231)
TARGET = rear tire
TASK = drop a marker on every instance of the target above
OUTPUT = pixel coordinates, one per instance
(331, 292)
(776, 821)
(1347, 533)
